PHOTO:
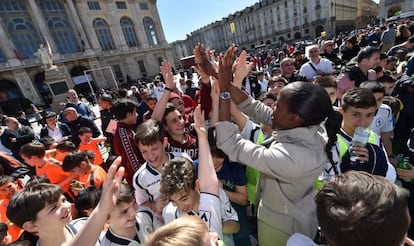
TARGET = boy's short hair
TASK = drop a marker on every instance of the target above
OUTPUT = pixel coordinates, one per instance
(168, 109)
(152, 97)
(35, 180)
(26, 204)
(358, 208)
(276, 79)
(47, 141)
(149, 133)
(178, 175)
(33, 149)
(125, 194)
(74, 159)
(122, 107)
(358, 98)
(105, 98)
(373, 86)
(267, 95)
(88, 198)
(366, 53)
(387, 79)
(66, 146)
(185, 231)
(326, 81)
(84, 130)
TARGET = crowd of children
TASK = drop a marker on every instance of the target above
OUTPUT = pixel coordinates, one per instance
(232, 163)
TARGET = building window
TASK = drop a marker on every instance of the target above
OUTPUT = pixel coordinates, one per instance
(141, 66)
(94, 5)
(104, 34)
(305, 10)
(143, 6)
(121, 5)
(118, 73)
(306, 31)
(20, 28)
(129, 32)
(150, 31)
(60, 28)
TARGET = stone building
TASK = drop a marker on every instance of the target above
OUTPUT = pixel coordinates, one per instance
(389, 8)
(105, 42)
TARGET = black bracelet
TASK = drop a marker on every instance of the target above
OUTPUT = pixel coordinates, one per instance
(168, 89)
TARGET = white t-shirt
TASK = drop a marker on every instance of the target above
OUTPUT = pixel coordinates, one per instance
(309, 73)
(146, 180)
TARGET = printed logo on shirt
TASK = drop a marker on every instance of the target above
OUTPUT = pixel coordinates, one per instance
(205, 216)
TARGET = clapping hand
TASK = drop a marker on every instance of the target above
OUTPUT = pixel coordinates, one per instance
(111, 187)
(205, 65)
(199, 123)
(225, 68)
(241, 69)
(166, 71)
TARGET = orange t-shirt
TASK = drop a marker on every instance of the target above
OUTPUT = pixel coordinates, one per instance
(93, 146)
(95, 177)
(53, 172)
(14, 231)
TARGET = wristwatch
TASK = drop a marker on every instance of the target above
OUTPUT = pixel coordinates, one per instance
(225, 95)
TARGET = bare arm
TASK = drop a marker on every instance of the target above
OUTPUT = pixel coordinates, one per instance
(239, 196)
(207, 175)
(169, 82)
(90, 232)
(215, 102)
(386, 139)
(238, 117)
(230, 227)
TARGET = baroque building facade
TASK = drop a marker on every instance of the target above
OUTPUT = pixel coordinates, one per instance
(273, 22)
(105, 42)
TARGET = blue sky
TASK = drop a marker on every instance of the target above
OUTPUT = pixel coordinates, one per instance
(181, 17)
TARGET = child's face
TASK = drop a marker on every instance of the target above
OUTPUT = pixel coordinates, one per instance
(269, 102)
(31, 161)
(185, 201)
(86, 137)
(53, 216)
(151, 104)
(8, 189)
(276, 87)
(332, 93)
(389, 88)
(154, 154)
(354, 117)
(218, 163)
(104, 104)
(175, 124)
(123, 215)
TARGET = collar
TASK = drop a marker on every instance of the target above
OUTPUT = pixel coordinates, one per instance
(119, 239)
(151, 169)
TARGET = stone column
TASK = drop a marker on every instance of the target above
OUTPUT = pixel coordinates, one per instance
(139, 25)
(78, 25)
(42, 25)
(26, 86)
(81, 8)
(116, 29)
(7, 47)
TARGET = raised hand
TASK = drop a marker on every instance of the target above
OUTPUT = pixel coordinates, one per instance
(199, 123)
(166, 71)
(111, 186)
(241, 69)
(225, 68)
(204, 65)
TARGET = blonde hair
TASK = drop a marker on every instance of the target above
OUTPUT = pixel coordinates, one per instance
(184, 231)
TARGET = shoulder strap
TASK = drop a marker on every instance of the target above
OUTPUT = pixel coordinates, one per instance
(312, 66)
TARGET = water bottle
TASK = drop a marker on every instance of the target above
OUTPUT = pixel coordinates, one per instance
(403, 163)
(360, 139)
